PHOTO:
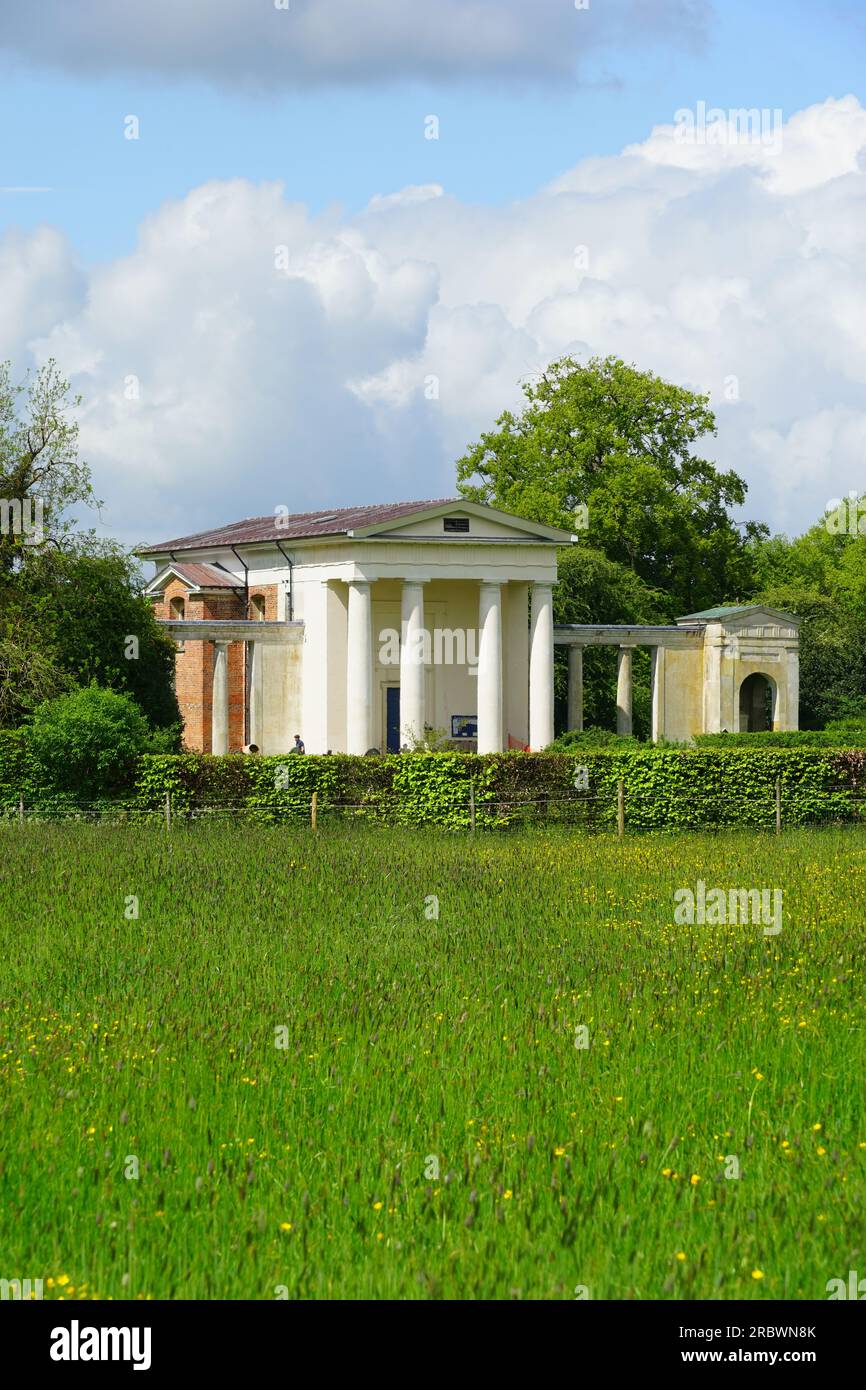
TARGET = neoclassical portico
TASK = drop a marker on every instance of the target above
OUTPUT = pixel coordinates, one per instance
(504, 663)
(383, 627)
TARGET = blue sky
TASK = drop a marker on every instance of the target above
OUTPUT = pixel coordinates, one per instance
(336, 145)
(216, 387)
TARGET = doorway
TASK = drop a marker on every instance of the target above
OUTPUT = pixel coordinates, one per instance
(757, 704)
(392, 718)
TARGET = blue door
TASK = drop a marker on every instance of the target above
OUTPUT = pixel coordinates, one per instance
(392, 718)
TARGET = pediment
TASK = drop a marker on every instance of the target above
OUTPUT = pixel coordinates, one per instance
(464, 521)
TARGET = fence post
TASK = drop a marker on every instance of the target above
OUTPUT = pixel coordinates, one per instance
(779, 805)
(472, 804)
(620, 808)
(168, 810)
(314, 809)
(21, 810)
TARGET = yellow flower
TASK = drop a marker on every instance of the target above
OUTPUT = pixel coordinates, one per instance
(681, 1254)
(285, 1225)
(377, 1206)
(506, 1196)
(63, 1280)
(695, 1179)
(757, 1274)
(820, 1150)
(815, 1128)
(558, 1153)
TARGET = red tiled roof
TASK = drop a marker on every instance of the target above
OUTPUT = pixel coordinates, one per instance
(206, 576)
(332, 522)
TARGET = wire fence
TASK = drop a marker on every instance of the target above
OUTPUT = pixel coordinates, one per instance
(615, 810)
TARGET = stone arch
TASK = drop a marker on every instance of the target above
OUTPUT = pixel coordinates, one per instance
(757, 703)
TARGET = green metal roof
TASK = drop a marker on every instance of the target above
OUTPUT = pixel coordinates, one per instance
(723, 612)
(726, 611)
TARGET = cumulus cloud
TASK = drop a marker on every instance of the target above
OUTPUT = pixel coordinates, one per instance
(276, 43)
(247, 354)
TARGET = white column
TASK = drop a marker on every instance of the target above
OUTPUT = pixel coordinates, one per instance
(490, 669)
(575, 687)
(541, 667)
(359, 668)
(792, 688)
(412, 643)
(658, 693)
(623, 690)
(219, 736)
(322, 724)
(515, 661)
(255, 659)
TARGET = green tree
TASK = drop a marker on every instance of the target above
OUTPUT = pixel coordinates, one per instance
(621, 443)
(88, 740)
(821, 576)
(40, 471)
(102, 627)
(69, 604)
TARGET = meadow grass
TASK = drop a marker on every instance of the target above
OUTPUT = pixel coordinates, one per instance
(417, 1046)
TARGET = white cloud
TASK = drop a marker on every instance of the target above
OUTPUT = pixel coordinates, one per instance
(290, 359)
(275, 43)
(813, 147)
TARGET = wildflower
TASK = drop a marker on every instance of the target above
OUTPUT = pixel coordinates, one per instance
(757, 1274)
(506, 1196)
(285, 1225)
(681, 1254)
(377, 1206)
(558, 1153)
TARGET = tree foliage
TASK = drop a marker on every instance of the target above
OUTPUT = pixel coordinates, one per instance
(69, 603)
(88, 741)
(622, 443)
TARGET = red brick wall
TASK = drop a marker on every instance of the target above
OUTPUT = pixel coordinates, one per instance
(194, 665)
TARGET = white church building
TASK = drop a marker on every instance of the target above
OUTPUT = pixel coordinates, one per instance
(386, 627)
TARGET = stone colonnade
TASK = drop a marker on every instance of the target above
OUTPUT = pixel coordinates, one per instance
(360, 662)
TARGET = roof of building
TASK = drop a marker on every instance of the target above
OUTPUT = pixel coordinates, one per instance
(199, 576)
(709, 615)
(335, 521)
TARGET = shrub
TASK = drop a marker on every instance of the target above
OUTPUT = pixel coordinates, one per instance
(592, 738)
(850, 735)
(88, 741)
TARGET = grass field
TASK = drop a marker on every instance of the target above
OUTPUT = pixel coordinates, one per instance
(287, 1045)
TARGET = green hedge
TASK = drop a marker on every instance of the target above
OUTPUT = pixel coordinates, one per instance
(664, 787)
(851, 737)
